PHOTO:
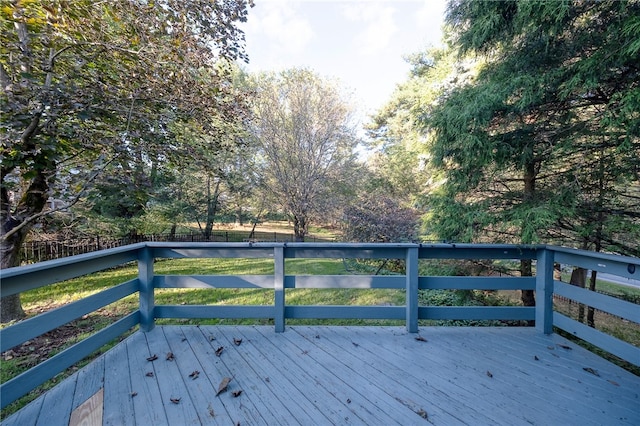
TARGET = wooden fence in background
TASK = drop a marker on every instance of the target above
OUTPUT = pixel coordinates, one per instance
(39, 251)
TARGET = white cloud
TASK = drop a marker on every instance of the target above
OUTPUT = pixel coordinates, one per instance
(429, 19)
(279, 25)
(379, 22)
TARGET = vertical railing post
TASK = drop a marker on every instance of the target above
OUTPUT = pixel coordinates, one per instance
(412, 289)
(544, 291)
(146, 293)
(278, 286)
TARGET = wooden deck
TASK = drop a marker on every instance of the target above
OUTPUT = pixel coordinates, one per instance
(342, 375)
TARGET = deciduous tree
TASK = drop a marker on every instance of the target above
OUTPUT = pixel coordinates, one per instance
(87, 84)
(303, 127)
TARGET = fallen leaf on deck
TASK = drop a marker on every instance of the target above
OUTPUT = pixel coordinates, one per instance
(565, 347)
(212, 338)
(489, 373)
(152, 357)
(355, 344)
(211, 412)
(266, 379)
(348, 401)
(317, 336)
(194, 375)
(170, 356)
(536, 358)
(175, 400)
(591, 370)
(237, 341)
(134, 394)
(149, 374)
(223, 385)
(613, 383)
(184, 339)
(421, 339)
(219, 350)
(422, 413)
(551, 347)
(236, 393)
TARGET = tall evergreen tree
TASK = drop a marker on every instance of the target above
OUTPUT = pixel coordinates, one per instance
(544, 142)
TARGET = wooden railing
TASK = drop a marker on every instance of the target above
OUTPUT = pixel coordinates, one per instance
(21, 279)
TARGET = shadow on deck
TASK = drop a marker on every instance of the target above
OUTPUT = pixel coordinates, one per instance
(342, 375)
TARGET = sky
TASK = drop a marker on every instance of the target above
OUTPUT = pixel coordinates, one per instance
(362, 43)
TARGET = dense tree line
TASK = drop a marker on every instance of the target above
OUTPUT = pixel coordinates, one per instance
(136, 117)
(530, 123)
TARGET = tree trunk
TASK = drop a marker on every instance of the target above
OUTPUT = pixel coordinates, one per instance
(10, 306)
(299, 228)
(529, 179)
(528, 296)
(579, 278)
(13, 232)
(212, 207)
(591, 322)
(239, 221)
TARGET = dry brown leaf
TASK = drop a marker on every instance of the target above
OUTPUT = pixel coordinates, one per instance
(489, 374)
(149, 374)
(237, 341)
(194, 375)
(421, 339)
(236, 393)
(175, 400)
(536, 358)
(614, 383)
(565, 347)
(223, 385)
(211, 412)
(170, 356)
(591, 370)
(152, 357)
(134, 394)
(219, 350)
(422, 413)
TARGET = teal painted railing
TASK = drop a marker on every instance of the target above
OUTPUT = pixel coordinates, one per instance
(21, 279)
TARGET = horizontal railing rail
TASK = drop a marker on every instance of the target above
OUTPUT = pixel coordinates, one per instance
(621, 266)
(21, 279)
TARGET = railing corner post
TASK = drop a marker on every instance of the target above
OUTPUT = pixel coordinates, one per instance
(278, 286)
(146, 290)
(412, 289)
(544, 291)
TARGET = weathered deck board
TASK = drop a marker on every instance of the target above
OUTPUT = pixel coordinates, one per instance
(346, 375)
(148, 405)
(117, 375)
